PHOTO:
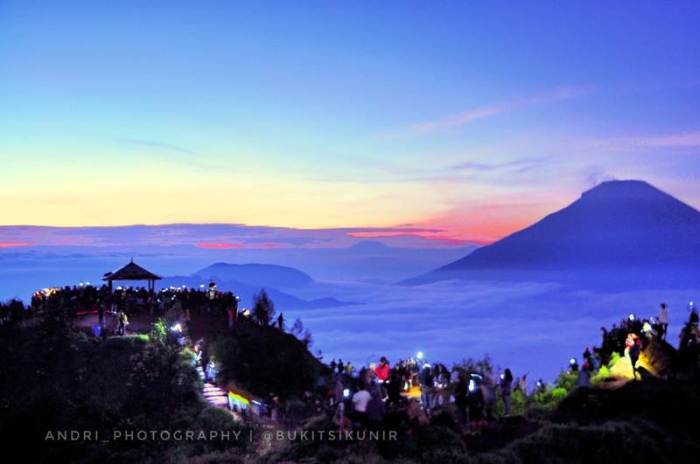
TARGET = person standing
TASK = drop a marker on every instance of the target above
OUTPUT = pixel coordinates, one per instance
(506, 385)
(573, 366)
(382, 370)
(101, 314)
(633, 345)
(123, 322)
(461, 393)
(584, 374)
(280, 322)
(693, 314)
(375, 410)
(427, 383)
(488, 392)
(231, 313)
(382, 373)
(663, 321)
(476, 402)
(394, 387)
(522, 384)
(587, 355)
(360, 400)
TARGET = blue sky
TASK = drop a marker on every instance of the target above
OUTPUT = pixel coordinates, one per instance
(473, 117)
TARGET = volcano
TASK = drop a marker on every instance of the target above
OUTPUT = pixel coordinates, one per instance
(625, 230)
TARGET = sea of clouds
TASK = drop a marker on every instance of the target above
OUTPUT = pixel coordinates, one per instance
(532, 327)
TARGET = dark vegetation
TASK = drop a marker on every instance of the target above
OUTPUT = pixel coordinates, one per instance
(56, 378)
(642, 422)
(265, 360)
(648, 420)
(261, 354)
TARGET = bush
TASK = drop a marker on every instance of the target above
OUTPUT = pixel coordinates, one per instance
(559, 393)
(264, 360)
(614, 358)
(519, 403)
(567, 380)
(602, 375)
(159, 331)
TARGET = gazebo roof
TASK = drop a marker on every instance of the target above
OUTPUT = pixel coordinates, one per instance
(131, 271)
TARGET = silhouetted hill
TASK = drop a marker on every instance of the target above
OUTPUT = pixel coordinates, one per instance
(370, 246)
(264, 275)
(247, 292)
(628, 225)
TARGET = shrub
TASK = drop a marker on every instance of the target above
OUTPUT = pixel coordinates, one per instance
(559, 393)
(265, 360)
(601, 376)
(159, 331)
(567, 380)
(544, 401)
(614, 358)
(519, 402)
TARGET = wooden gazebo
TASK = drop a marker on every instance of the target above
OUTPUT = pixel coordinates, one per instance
(132, 271)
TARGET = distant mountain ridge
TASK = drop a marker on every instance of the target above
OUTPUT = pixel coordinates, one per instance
(247, 292)
(371, 246)
(616, 225)
(246, 280)
(264, 275)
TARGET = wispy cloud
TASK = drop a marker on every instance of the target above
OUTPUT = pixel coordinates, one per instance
(174, 153)
(14, 244)
(472, 171)
(210, 236)
(679, 140)
(456, 120)
(435, 235)
(155, 144)
(219, 245)
(487, 111)
(515, 166)
(623, 143)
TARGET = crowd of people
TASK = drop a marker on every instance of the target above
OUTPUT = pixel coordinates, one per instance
(361, 397)
(633, 335)
(123, 302)
(131, 300)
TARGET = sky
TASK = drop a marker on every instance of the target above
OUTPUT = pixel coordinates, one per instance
(466, 119)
